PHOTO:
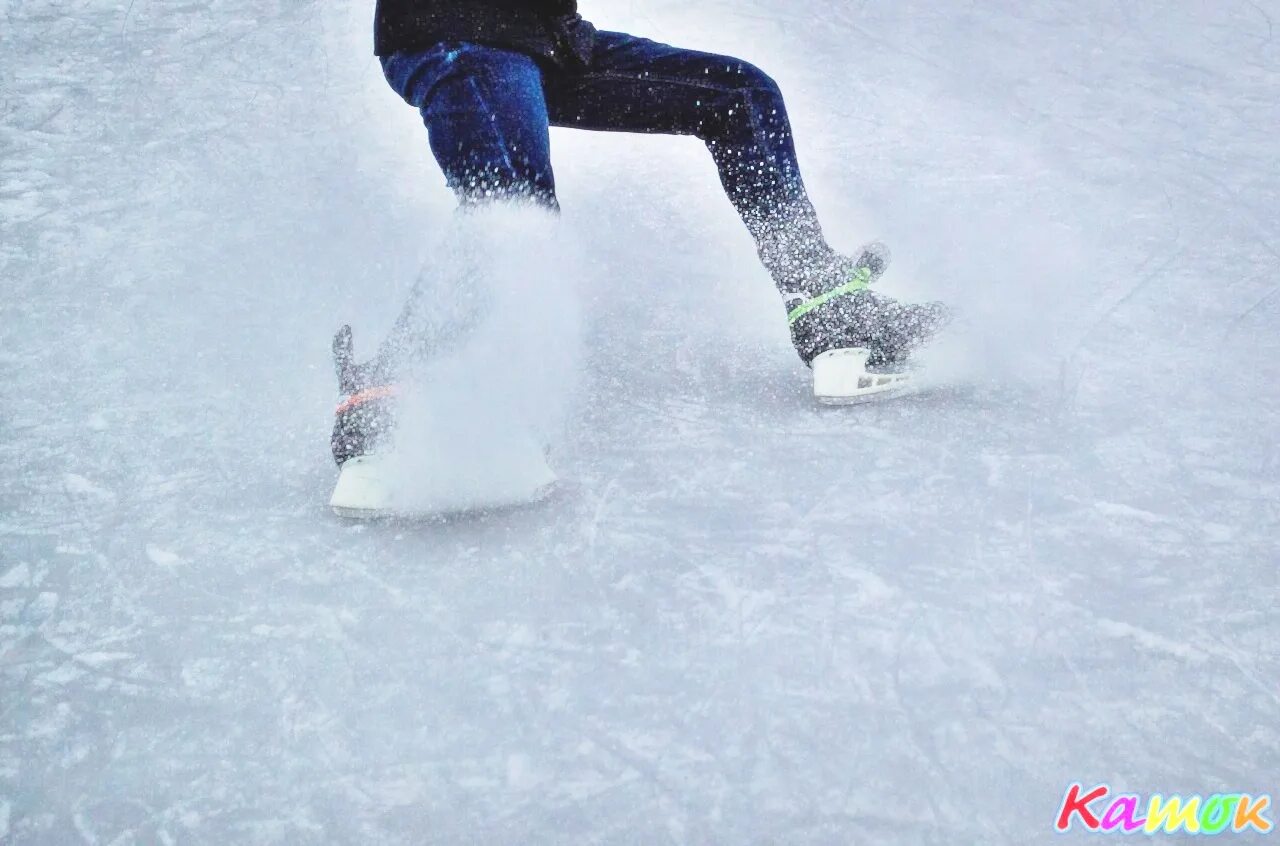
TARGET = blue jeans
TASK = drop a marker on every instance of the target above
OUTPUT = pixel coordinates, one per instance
(487, 111)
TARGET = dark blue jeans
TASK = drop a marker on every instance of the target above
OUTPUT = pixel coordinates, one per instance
(487, 112)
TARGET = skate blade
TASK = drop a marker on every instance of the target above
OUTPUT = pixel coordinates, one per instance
(441, 512)
(373, 487)
(840, 377)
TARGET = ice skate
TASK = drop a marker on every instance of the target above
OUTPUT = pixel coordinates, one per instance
(437, 480)
(857, 342)
(399, 459)
(363, 424)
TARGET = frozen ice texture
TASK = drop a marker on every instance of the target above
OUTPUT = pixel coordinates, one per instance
(747, 620)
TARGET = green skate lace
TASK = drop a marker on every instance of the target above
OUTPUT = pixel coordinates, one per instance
(861, 281)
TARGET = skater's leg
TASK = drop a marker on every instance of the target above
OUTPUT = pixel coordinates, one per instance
(486, 118)
(638, 85)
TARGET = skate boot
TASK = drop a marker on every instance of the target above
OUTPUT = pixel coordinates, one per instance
(399, 458)
(364, 422)
(857, 341)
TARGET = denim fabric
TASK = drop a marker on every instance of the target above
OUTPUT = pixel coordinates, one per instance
(487, 111)
(486, 117)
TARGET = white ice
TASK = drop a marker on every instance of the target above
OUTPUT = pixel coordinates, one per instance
(748, 619)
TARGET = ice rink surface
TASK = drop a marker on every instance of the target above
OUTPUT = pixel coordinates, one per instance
(743, 619)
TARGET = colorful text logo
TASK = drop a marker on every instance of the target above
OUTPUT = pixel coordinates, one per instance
(1099, 811)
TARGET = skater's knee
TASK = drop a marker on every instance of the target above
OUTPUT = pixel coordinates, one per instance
(757, 82)
(763, 95)
(752, 103)
(741, 80)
